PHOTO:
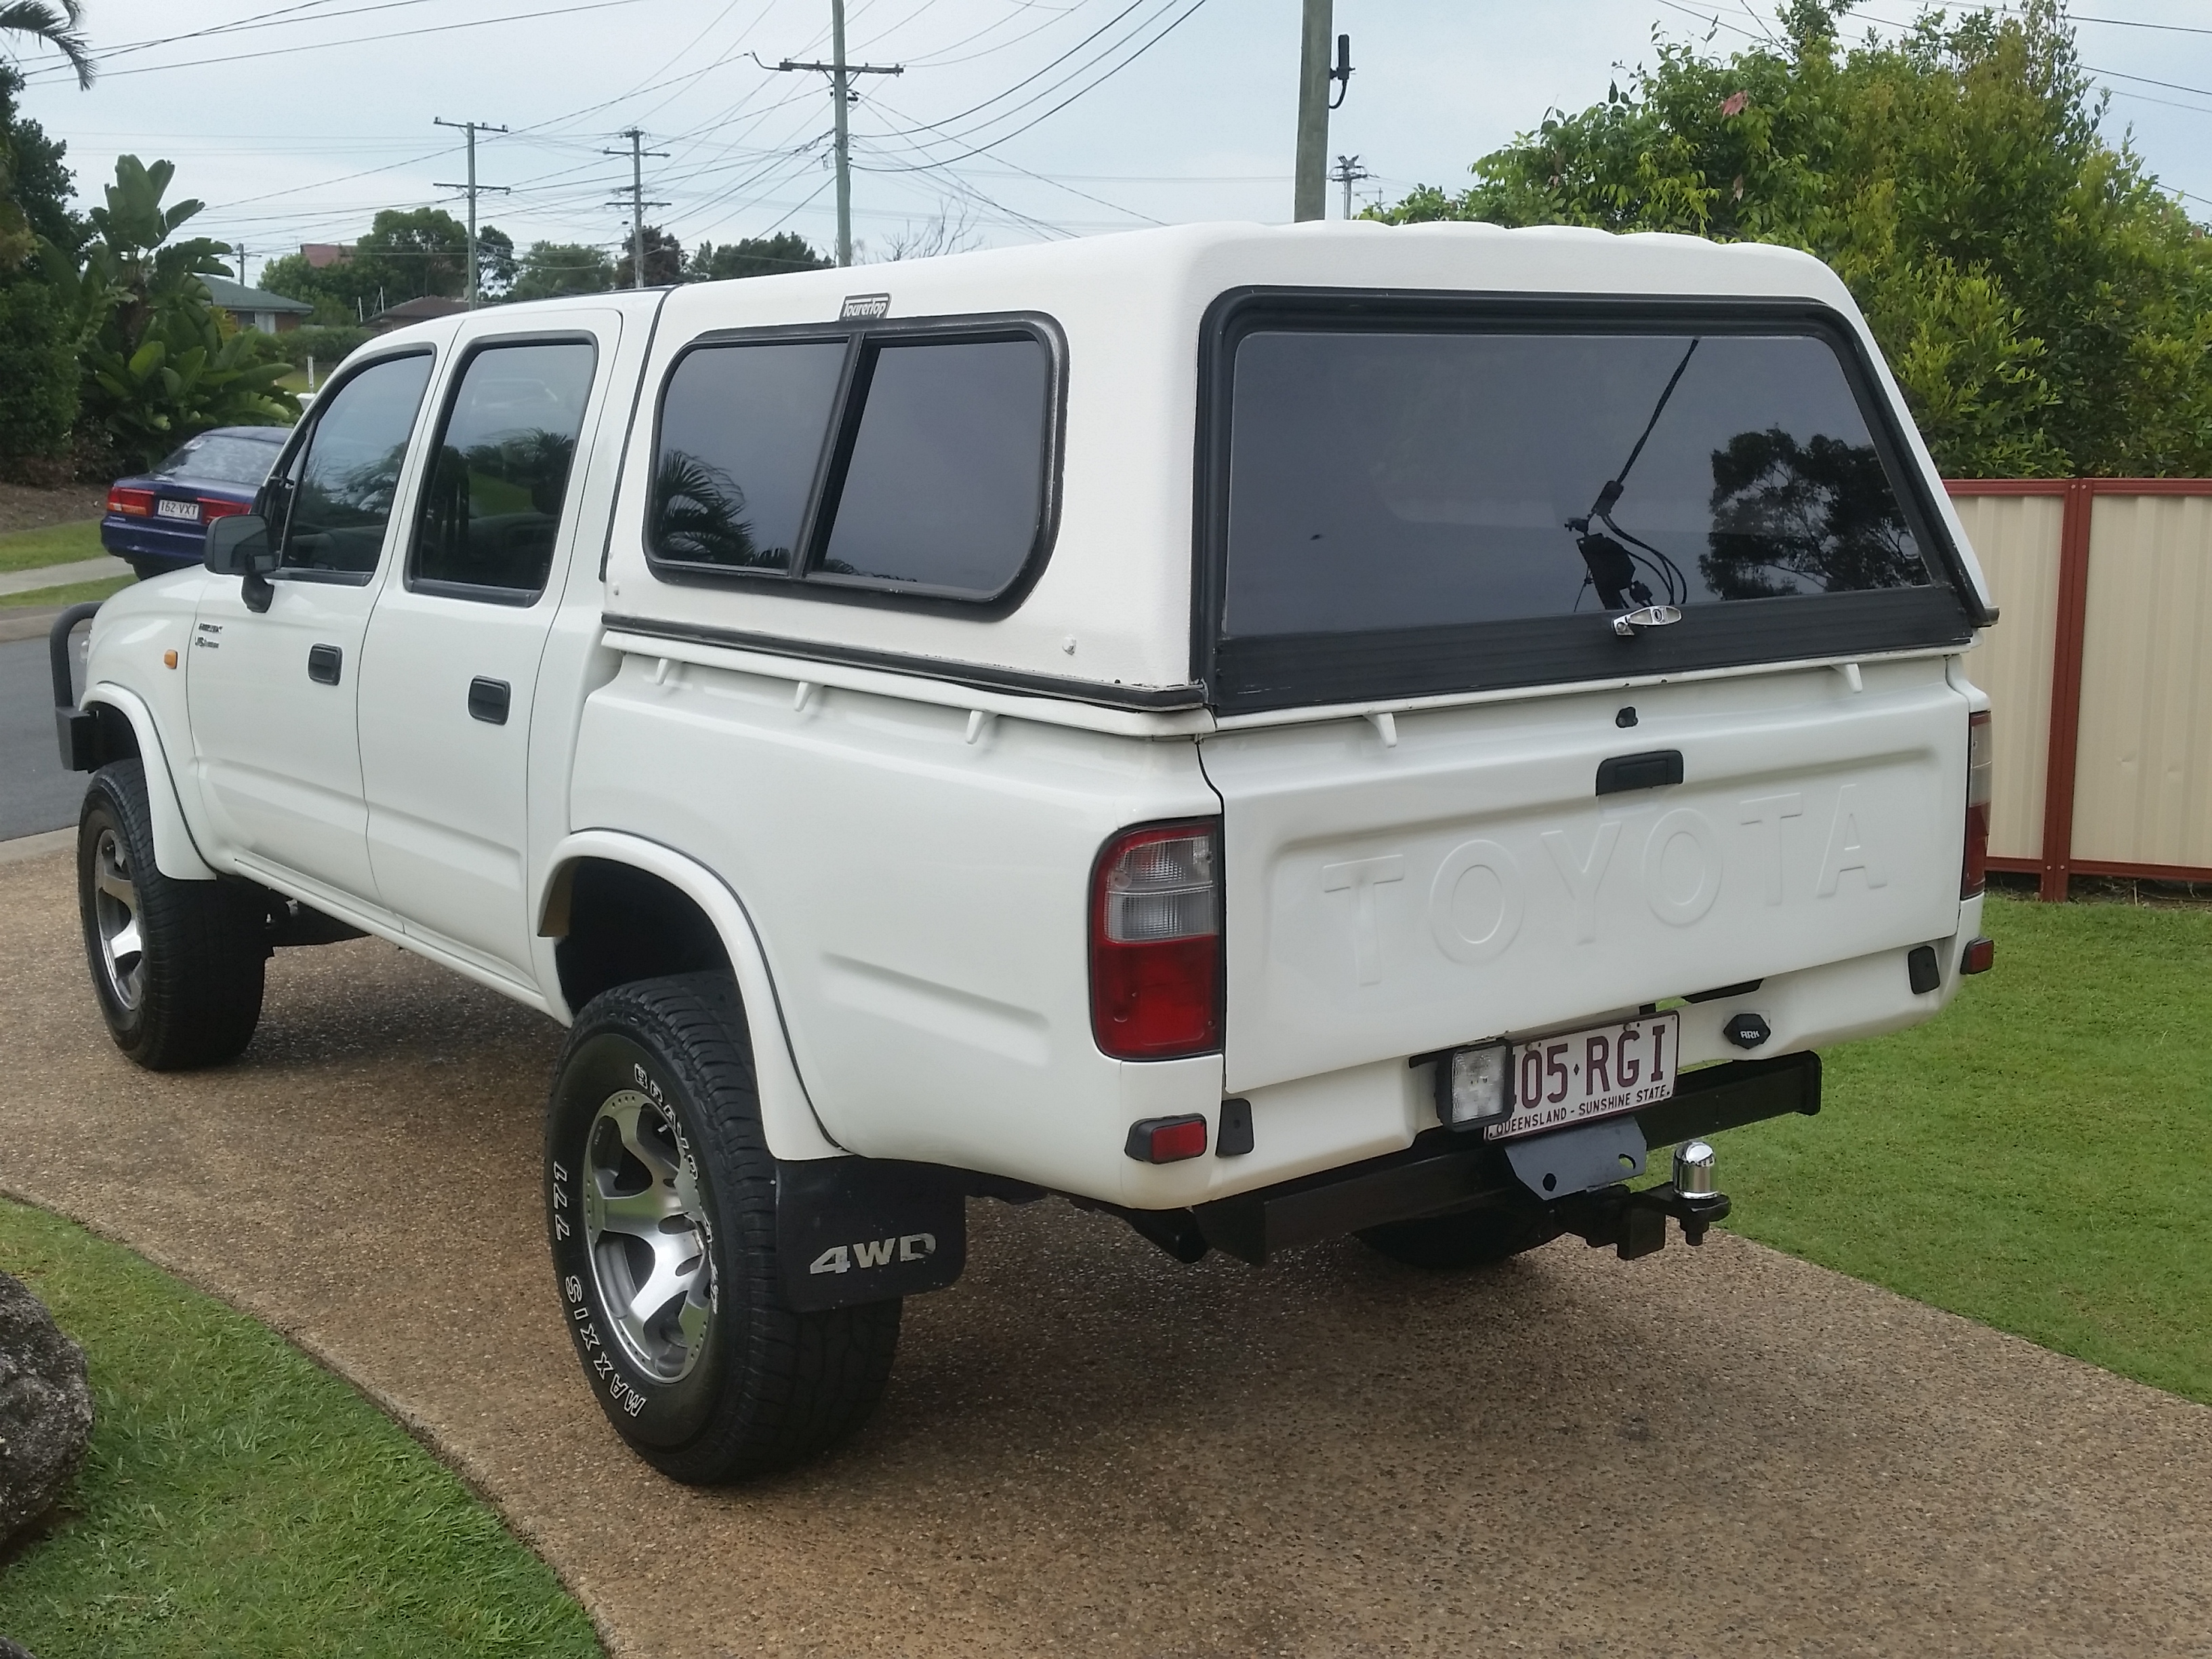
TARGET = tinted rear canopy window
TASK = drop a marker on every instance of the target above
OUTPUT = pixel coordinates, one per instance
(1430, 502)
(1381, 480)
(913, 460)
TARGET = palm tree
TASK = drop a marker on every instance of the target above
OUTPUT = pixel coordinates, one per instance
(61, 25)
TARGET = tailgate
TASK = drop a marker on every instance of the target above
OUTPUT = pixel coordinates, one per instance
(1469, 881)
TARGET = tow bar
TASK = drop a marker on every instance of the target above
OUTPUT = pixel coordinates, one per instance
(1635, 1223)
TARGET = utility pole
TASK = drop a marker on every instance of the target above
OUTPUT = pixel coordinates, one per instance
(471, 128)
(240, 250)
(1348, 172)
(637, 202)
(1310, 194)
(840, 73)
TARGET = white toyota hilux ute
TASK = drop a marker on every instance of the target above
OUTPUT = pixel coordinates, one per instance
(1266, 733)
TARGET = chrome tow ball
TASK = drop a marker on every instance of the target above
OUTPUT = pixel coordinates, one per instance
(1693, 1184)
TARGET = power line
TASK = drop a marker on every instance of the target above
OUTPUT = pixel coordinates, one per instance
(361, 39)
(979, 149)
(2144, 80)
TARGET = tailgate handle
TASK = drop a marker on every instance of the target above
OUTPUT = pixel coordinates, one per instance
(1652, 770)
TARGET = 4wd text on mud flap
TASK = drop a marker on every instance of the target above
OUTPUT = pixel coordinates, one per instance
(874, 1253)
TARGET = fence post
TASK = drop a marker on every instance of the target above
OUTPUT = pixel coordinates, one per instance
(2057, 852)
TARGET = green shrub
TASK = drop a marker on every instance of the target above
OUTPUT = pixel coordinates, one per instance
(327, 346)
(38, 374)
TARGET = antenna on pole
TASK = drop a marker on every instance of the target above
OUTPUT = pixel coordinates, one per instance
(840, 73)
(471, 128)
(637, 202)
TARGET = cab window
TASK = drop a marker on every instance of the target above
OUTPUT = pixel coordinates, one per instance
(499, 477)
(340, 486)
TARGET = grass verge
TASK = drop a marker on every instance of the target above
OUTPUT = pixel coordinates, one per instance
(2040, 1158)
(60, 543)
(70, 594)
(240, 1499)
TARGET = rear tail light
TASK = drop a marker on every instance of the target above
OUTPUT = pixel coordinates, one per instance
(132, 503)
(212, 509)
(1155, 942)
(1980, 760)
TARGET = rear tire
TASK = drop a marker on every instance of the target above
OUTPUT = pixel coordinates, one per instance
(178, 965)
(660, 1204)
(1466, 1238)
(146, 569)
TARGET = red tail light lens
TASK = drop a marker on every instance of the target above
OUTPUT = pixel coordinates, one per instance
(212, 509)
(1156, 944)
(132, 503)
(1981, 757)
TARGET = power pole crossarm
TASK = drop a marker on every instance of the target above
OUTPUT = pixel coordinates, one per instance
(840, 73)
(471, 128)
(1348, 172)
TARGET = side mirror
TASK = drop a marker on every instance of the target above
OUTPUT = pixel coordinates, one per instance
(237, 544)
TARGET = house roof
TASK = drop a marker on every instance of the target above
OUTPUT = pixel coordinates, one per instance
(236, 296)
(423, 309)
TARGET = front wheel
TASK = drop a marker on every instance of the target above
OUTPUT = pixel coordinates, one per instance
(660, 1200)
(178, 965)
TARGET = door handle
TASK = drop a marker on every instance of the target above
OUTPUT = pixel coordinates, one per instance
(322, 664)
(488, 700)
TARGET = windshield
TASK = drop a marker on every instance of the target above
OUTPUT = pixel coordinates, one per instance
(1382, 481)
(224, 457)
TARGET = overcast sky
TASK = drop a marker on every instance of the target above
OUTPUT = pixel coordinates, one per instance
(1026, 118)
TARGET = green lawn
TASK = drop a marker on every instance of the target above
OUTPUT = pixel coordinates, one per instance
(2039, 1158)
(60, 543)
(71, 593)
(240, 1500)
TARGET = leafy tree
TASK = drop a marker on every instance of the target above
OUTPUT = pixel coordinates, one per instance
(407, 253)
(58, 25)
(550, 270)
(755, 256)
(664, 261)
(156, 363)
(495, 266)
(2046, 309)
(38, 363)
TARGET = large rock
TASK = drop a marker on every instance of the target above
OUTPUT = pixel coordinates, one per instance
(45, 1408)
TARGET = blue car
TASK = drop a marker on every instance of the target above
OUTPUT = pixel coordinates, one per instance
(158, 521)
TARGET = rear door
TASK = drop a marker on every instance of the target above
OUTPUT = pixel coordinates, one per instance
(1510, 616)
(449, 673)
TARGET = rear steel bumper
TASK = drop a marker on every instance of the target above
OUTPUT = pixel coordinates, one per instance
(1445, 1170)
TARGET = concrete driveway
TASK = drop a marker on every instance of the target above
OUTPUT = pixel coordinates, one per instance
(1089, 1449)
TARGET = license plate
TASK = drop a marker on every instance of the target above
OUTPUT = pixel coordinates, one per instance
(168, 510)
(1580, 1075)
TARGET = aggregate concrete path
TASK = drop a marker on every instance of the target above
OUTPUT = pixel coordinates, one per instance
(1088, 1448)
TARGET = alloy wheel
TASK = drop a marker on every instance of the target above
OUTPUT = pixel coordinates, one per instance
(647, 1236)
(115, 910)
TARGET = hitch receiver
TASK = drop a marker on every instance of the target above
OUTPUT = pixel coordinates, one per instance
(1635, 1223)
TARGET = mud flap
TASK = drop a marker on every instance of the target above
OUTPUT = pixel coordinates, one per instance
(855, 1229)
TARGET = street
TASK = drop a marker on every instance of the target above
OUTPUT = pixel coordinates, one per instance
(35, 793)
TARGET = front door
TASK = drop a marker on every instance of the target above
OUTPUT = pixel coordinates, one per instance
(273, 693)
(450, 671)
